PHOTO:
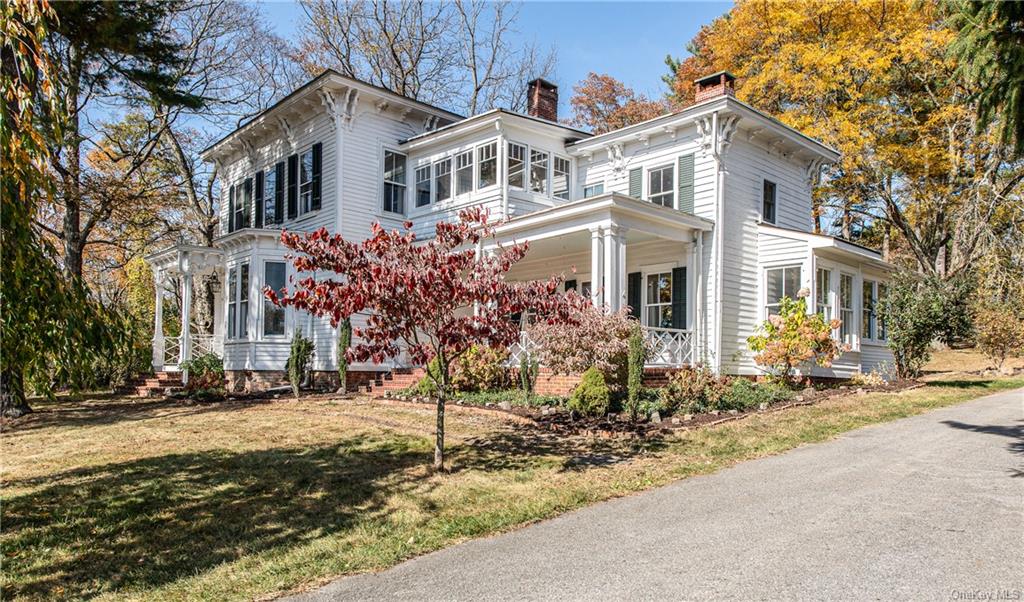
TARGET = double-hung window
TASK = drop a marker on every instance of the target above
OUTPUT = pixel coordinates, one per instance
(539, 171)
(306, 182)
(273, 315)
(868, 299)
(516, 166)
(822, 293)
(781, 282)
(593, 190)
(238, 301)
(768, 202)
(232, 302)
(560, 178)
(270, 197)
(240, 205)
(443, 180)
(464, 172)
(658, 302)
(883, 332)
(394, 182)
(846, 307)
(423, 186)
(487, 165)
(660, 190)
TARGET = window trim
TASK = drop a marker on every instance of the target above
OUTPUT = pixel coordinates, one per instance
(671, 189)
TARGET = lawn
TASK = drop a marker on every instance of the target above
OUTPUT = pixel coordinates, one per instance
(150, 499)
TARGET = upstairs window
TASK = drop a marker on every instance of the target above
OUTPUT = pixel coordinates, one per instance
(846, 307)
(273, 315)
(423, 186)
(443, 180)
(768, 202)
(781, 282)
(593, 190)
(487, 165)
(394, 182)
(270, 197)
(660, 190)
(560, 178)
(538, 172)
(464, 172)
(516, 166)
(306, 182)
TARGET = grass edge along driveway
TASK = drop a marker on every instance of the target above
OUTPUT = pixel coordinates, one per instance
(243, 503)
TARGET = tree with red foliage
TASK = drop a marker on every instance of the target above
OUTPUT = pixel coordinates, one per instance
(437, 299)
(603, 103)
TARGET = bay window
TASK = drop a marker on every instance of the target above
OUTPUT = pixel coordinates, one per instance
(780, 282)
(273, 315)
(516, 166)
(423, 186)
(394, 182)
(464, 172)
(560, 178)
(660, 189)
(443, 180)
(232, 302)
(238, 301)
(538, 172)
(487, 165)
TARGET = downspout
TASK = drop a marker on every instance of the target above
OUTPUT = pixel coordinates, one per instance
(719, 242)
(502, 168)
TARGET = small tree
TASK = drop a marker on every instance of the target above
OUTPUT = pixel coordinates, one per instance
(344, 342)
(298, 361)
(916, 312)
(999, 330)
(438, 298)
(635, 381)
(794, 338)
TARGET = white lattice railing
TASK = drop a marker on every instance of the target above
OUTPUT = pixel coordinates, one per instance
(669, 346)
(172, 351)
(518, 350)
(207, 343)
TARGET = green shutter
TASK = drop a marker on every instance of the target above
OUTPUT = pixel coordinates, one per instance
(679, 298)
(686, 183)
(636, 182)
(634, 283)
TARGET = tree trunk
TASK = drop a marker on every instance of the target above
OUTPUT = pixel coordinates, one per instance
(72, 182)
(13, 403)
(439, 435)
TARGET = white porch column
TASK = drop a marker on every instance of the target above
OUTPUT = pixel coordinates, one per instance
(186, 312)
(158, 321)
(613, 274)
(596, 265)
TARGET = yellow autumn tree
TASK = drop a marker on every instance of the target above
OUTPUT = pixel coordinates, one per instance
(874, 79)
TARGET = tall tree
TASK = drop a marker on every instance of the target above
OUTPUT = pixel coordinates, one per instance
(602, 103)
(462, 55)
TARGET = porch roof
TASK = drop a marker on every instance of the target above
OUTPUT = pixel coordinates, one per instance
(835, 247)
(611, 208)
(185, 259)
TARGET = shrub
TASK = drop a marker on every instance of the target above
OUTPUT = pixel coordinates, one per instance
(694, 390)
(299, 360)
(481, 369)
(593, 338)
(427, 386)
(794, 338)
(917, 311)
(634, 386)
(514, 396)
(999, 331)
(591, 397)
(205, 376)
(529, 368)
(744, 394)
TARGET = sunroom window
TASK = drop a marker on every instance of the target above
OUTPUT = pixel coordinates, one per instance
(846, 307)
(781, 282)
(464, 172)
(560, 178)
(516, 165)
(423, 186)
(487, 165)
(538, 172)
(867, 324)
(822, 287)
(443, 180)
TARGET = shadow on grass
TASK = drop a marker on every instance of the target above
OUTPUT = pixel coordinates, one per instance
(962, 384)
(148, 522)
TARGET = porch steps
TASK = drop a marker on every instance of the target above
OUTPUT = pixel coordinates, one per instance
(152, 385)
(396, 380)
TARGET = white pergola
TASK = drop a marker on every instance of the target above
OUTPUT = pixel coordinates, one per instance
(178, 266)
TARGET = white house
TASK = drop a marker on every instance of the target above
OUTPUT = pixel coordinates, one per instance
(699, 220)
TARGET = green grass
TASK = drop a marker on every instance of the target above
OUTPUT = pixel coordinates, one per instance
(238, 501)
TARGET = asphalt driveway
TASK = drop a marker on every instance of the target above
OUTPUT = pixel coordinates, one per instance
(929, 507)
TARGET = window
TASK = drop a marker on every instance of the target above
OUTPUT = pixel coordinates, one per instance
(273, 315)
(243, 301)
(464, 172)
(516, 165)
(867, 324)
(659, 186)
(560, 178)
(593, 190)
(586, 290)
(846, 307)
(232, 302)
(487, 165)
(239, 206)
(394, 182)
(768, 202)
(658, 307)
(443, 180)
(822, 288)
(883, 332)
(538, 172)
(270, 196)
(781, 282)
(423, 186)
(306, 182)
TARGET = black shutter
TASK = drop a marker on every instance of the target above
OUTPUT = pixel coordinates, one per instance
(634, 285)
(293, 186)
(318, 151)
(636, 177)
(686, 183)
(679, 298)
(259, 200)
(570, 285)
(247, 199)
(279, 193)
(231, 209)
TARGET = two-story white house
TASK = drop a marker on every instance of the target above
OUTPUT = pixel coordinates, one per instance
(699, 220)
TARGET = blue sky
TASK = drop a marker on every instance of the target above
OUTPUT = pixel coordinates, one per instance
(627, 40)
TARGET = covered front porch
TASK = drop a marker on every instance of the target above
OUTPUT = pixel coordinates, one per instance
(175, 272)
(622, 252)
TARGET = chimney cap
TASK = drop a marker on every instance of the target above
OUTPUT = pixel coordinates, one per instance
(543, 83)
(714, 78)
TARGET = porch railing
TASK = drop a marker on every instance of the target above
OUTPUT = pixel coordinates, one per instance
(669, 347)
(172, 351)
(207, 343)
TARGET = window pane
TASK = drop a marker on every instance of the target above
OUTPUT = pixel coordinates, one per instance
(232, 300)
(394, 167)
(593, 190)
(538, 172)
(652, 288)
(560, 178)
(775, 286)
(423, 186)
(792, 282)
(273, 315)
(464, 173)
(243, 296)
(487, 158)
(659, 186)
(306, 167)
(443, 179)
(269, 196)
(516, 165)
(768, 202)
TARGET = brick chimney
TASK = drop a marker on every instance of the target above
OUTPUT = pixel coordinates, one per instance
(542, 99)
(716, 84)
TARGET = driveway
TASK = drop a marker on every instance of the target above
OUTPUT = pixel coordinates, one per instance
(929, 507)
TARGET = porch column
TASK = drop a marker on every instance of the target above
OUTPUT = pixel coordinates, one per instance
(596, 265)
(613, 272)
(186, 312)
(158, 320)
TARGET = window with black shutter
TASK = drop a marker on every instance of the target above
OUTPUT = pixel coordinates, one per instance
(279, 185)
(318, 162)
(259, 200)
(231, 209)
(293, 186)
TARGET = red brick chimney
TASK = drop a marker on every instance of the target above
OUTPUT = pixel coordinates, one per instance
(716, 84)
(542, 99)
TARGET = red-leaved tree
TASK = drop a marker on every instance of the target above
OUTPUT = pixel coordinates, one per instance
(437, 298)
